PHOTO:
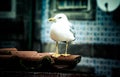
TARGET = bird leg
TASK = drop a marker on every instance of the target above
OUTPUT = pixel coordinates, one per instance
(66, 54)
(56, 48)
(56, 54)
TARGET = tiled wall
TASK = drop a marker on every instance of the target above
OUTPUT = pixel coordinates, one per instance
(103, 67)
(102, 31)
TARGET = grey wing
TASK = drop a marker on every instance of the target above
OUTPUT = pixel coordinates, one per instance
(72, 29)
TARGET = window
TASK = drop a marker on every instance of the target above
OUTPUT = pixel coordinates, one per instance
(72, 4)
(74, 9)
(8, 9)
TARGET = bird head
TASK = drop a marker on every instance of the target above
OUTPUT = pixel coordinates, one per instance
(59, 18)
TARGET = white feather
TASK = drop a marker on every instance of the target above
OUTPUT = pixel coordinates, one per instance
(61, 29)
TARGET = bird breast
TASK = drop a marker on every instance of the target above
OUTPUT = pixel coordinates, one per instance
(61, 33)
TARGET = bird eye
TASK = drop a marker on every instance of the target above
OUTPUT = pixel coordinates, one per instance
(59, 17)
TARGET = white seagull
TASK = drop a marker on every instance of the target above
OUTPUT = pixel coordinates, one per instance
(61, 30)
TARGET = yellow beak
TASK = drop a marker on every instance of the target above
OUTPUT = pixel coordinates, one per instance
(51, 19)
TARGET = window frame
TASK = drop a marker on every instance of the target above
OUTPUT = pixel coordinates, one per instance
(76, 13)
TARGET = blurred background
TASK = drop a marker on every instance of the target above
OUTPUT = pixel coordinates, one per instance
(24, 25)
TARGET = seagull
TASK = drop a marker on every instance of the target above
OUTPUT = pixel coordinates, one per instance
(61, 30)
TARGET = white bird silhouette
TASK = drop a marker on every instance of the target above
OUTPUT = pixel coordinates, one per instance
(61, 30)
